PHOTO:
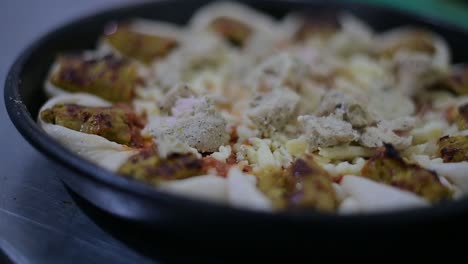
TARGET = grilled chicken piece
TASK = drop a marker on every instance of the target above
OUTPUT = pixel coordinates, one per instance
(311, 187)
(456, 81)
(109, 77)
(304, 185)
(417, 40)
(234, 31)
(117, 123)
(388, 167)
(274, 185)
(453, 149)
(462, 117)
(149, 167)
(145, 48)
(322, 27)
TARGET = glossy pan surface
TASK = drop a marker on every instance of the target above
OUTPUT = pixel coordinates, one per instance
(133, 200)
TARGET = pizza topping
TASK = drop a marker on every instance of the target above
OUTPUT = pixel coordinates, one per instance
(388, 167)
(176, 92)
(453, 148)
(416, 40)
(149, 167)
(457, 81)
(462, 117)
(117, 123)
(390, 104)
(351, 110)
(414, 72)
(109, 77)
(326, 131)
(201, 57)
(279, 70)
(234, 31)
(311, 187)
(303, 185)
(316, 27)
(307, 113)
(195, 123)
(377, 136)
(145, 48)
(272, 111)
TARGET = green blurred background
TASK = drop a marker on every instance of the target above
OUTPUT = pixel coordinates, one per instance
(454, 11)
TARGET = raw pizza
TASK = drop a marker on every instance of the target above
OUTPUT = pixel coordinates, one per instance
(236, 107)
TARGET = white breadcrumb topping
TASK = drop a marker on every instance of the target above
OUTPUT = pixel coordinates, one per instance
(195, 123)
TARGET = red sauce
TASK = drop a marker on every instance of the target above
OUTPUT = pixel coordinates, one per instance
(337, 178)
(221, 168)
(136, 123)
(450, 114)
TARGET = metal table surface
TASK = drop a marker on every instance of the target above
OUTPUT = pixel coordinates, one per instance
(39, 220)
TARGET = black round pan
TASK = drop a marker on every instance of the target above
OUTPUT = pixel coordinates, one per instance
(133, 200)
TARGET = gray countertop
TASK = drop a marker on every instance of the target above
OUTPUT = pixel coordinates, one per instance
(39, 221)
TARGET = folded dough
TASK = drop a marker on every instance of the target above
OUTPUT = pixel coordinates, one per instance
(94, 148)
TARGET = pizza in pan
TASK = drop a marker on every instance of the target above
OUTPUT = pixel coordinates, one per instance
(239, 108)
